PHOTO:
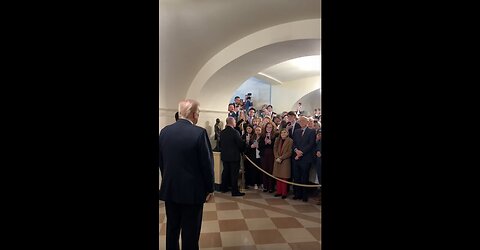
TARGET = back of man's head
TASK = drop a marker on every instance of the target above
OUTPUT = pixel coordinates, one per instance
(187, 107)
(230, 121)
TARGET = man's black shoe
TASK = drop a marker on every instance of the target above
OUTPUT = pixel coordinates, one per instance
(238, 194)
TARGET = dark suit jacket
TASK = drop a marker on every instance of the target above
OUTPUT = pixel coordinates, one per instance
(305, 143)
(231, 144)
(297, 126)
(318, 148)
(233, 114)
(186, 163)
(262, 146)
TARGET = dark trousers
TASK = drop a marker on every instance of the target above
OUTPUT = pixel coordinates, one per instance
(292, 175)
(302, 172)
(267, 165)
(230, 175)
(252, 174)
(188, 219)
(318, 168)
(249, 171)
(257, 176)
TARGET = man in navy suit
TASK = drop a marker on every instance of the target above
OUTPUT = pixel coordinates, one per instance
(232, 112)
(292, 125)
(176, 119)
(303, 147)
(186, 165)
(231, 146)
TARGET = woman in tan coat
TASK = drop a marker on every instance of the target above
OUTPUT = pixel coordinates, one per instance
(282, 150)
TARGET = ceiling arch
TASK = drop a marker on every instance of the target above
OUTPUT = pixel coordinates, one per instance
(193, 32)
(245, 58)
(309, 99)
(219, 88)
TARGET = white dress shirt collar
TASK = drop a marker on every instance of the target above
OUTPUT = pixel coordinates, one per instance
(187, 120)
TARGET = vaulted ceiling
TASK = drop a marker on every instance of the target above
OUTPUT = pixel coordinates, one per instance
(192, 32)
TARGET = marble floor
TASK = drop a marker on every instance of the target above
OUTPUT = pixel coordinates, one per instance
(257, 220)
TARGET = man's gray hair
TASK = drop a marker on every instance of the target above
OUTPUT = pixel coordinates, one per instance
(186, 107)
(302, 117)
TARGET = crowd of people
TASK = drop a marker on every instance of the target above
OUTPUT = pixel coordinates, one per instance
(285, 145)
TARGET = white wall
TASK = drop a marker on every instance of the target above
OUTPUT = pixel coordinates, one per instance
(310, 102)
(259, 89)
(286, 95)
(207, 120)
(166, 117)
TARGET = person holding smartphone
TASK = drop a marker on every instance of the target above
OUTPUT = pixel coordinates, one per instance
(265, 145)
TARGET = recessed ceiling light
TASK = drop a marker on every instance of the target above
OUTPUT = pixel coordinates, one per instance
(271, 77)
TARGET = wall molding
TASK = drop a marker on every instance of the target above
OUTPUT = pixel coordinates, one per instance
(201, 110)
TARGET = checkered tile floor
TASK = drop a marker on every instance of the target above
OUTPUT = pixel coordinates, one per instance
(257, 220)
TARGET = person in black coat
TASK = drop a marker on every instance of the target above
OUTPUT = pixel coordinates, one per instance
(231, 146)
(176, 119)
(186, 165)
(250, 170)
(232, 112)
(265, 145)
(318, 159)
(239, 126)
(303, 148)
(292, 123)
(318, 155)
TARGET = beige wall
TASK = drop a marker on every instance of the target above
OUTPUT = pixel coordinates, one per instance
(216, 80)
(310, 102)
(166, 117)
(286, 95)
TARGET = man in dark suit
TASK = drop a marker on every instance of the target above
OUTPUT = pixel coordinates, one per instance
(176, 119)
(232, 112)
(292, 125)
(231, 147)
(303, 147)
(186, 165)
(318, 159)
